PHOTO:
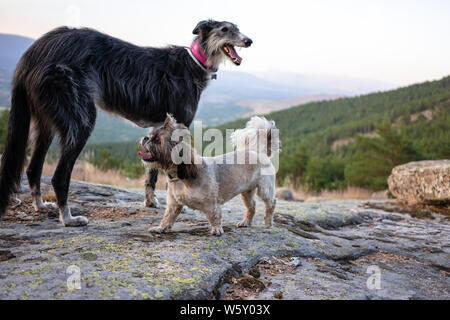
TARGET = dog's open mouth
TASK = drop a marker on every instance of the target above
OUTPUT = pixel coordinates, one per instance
(230, 52)
(146, 156)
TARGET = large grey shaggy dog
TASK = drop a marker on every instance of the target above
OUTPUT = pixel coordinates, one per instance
(66, 73)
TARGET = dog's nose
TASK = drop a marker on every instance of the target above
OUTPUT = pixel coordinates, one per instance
(144, 140)
(248, 42)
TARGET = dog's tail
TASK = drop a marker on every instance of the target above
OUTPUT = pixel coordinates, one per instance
(13, 157)
(259, 134)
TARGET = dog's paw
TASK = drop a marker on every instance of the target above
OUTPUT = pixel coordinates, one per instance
(157, 229)
(216, 231)
(43, 206)
(244, 223)
(78, 221)
(268, 222)
(154, 203)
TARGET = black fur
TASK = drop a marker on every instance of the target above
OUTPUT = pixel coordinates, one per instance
(61, 77)
(187, 171)
(152, 177)
(13, 158)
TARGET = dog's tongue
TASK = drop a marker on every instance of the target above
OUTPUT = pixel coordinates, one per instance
(145, 156)
(234, 54)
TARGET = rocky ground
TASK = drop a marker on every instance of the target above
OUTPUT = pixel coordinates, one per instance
(330, 249)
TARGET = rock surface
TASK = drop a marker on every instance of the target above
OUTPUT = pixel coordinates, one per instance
(316, 250)
(421, 181)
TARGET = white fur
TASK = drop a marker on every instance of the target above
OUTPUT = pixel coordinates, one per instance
(67, 220)
(254, 136)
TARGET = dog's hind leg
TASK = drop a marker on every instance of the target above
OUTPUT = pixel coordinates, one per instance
(270, 207)
(266, 191)
(150, 184)
(61, 180)
(43, 139)
(66, 104)
(249, 202)
(73, 139)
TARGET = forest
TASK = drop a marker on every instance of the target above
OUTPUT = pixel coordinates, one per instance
(357, 141)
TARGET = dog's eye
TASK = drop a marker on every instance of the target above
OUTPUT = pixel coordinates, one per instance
(224, 29)
(155, 139)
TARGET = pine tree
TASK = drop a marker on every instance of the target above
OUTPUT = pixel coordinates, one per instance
(372, 165)
(294, 166)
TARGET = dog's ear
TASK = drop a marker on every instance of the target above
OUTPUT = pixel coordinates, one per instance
(202, 25)
(170, 122)
(187, 171)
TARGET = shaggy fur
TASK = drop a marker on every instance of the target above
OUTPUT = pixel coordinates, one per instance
(63, 76)
(205, 183)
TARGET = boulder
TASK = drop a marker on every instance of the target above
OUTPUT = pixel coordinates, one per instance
(284, 194)
(421, 182)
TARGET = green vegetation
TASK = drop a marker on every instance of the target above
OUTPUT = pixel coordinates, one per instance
(5, 88)
(118, 156)
(4, 116)
(121, 157)
(114, 129)
(373, 162)
(313, 157)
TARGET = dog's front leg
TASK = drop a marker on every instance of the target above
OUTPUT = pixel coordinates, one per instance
(215, 220)
(40, 205)
(170, 215)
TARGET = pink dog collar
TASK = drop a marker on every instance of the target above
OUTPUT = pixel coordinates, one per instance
(199, 54)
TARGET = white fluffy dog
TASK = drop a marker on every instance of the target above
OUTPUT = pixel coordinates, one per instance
(205, 183)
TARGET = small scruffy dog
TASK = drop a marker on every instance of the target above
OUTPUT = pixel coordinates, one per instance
(205, 183)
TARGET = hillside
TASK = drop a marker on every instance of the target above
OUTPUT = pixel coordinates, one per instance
(232, 96)
(345, 117)
(344, 142)
(12, 48)
(329, 144)
(5, 88)
(264, 106)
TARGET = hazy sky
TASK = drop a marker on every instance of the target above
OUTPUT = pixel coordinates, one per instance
(398, 41)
